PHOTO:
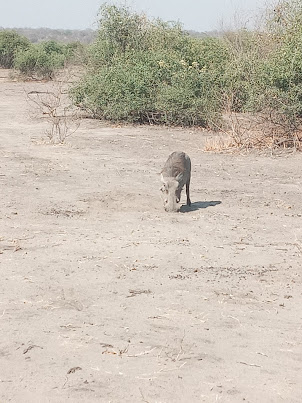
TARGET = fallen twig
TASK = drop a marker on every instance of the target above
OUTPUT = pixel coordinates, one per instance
(138, 292)
(73, 370)
(30, 347)
(142, 353)
(250, 365)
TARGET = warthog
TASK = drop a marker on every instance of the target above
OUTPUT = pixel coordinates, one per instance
(176, 173)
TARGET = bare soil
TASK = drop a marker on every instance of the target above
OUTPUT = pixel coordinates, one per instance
(105, 297)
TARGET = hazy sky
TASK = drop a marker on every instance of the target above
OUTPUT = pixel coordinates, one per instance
(198, 15)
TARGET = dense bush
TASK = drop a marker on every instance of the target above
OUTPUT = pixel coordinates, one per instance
(75, 53)
(52, 47)
(43, 59)
(143, 71)
(10, 44)
(39, 62)
(264, 73)
(153, 88)
(150, 71)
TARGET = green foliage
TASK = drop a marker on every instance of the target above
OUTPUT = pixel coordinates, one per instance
(42, 60)
(143, 71)
(243, 77)
(39, 61)
(285, 19)
(189, 93)
(120, 30)
(265, 70)
(154, 72)
(10, 44)
(283, 84)
(75, 53)
(53, 47)
(145, 88)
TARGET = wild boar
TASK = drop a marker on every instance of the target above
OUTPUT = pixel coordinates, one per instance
(175, 174)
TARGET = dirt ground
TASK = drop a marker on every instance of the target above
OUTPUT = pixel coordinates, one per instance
(105, 297)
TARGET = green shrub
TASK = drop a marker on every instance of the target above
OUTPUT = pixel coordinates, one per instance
(10, 44)
(53, 47)
(151, 72)
(150, 87)
(122, 91)
(263, 75)
(283, 84)
(75, 53)
(190, 98)
(265, 70)
(35, 61)
(43, 59)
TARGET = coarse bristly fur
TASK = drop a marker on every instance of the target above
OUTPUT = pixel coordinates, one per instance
(175, 174)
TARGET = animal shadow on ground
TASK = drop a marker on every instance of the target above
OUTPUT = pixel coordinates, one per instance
(198, 205)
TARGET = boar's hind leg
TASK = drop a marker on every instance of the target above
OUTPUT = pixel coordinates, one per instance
(188, 193)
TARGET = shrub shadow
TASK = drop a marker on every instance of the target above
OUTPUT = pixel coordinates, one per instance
(198, 206)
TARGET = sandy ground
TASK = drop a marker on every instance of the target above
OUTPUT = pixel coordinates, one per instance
(105, 297)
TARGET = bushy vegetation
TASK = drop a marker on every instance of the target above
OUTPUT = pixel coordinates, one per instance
(154, 72)
(44, 59)
(39, 61)
(10, 44)
(151, 71)
(264, 75)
